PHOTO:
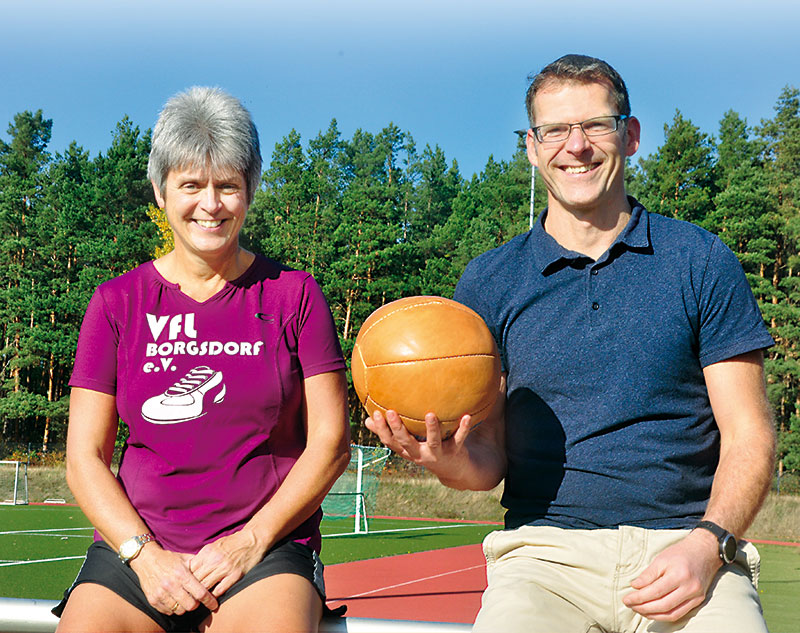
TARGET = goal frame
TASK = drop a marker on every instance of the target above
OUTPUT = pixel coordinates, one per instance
(17, 494)
(359, 494)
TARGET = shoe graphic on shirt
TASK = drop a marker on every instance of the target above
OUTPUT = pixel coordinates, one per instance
(184, 400)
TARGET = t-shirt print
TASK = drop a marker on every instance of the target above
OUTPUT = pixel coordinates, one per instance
(188, 399)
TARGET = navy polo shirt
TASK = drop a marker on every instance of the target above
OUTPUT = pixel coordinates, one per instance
(607, 415)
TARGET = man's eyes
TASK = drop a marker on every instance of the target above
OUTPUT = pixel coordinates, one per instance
(554, 130)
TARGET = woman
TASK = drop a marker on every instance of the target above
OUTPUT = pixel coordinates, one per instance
(226, 367)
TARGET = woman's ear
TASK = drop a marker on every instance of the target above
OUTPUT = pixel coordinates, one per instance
(159, 198)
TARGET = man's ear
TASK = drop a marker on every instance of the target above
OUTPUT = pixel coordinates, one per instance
(633, 132)
(530, 146)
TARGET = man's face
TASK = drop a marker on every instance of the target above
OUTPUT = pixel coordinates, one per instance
(582, 173)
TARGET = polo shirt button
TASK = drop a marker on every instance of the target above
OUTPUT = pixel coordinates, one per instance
(595, 306)
(594, 271)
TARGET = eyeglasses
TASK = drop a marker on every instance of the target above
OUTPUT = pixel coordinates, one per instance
(597, 126)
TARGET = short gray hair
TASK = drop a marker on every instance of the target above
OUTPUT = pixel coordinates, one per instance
(581, 69)
(205, 127)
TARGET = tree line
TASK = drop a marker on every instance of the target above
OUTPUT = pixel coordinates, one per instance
(373, 218)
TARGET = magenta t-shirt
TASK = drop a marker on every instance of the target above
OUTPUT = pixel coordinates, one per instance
(211, 392)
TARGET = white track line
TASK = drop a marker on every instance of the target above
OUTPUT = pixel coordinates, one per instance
(410, 582)
(63, 537)
(41, 560)
(72, 529)
(416, 529)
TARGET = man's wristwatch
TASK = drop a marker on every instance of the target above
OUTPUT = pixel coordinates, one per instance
(130, 548)
(727, 541)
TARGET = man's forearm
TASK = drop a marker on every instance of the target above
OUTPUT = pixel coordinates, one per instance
(737, 392)
(742, 481)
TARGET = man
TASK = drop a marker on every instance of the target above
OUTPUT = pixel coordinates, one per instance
(634, 437)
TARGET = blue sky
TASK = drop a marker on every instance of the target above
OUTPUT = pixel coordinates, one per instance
(450, 72)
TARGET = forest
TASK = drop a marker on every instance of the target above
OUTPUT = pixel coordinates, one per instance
(373, 218)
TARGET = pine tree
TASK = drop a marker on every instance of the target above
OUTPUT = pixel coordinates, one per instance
(281, 229)
(781, 305)
(678, 180)
(23, 182)
(489, 210)
(437, 186)
(123, 236)
(294, 215)
(742, 213)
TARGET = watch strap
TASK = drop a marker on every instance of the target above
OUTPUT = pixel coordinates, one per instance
(712, 527)
(725, 540)
(140, 540)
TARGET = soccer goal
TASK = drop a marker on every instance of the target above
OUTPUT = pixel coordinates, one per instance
(357, 487)
(13, 483)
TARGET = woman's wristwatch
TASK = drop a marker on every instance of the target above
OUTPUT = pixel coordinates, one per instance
(130, 548)
(726, 540)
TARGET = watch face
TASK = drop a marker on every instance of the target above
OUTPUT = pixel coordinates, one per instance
(128, 549)
(728, 547)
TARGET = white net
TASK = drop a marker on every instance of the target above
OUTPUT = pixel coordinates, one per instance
(354, 492)
(13, 482)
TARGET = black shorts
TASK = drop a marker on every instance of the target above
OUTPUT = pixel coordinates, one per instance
(103, 567)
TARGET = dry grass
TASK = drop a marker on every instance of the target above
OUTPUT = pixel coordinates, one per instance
(48, 482)
(423, 496)
(779, 519)
(409, 491)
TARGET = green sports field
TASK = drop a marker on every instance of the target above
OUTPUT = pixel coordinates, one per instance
(42, 547)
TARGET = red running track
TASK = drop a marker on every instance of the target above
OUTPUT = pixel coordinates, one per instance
(442, 585)
(438, 586)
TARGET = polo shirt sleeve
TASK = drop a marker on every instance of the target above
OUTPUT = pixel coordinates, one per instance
(730, 320)
(96, 356)
(472, 291)
(318, 343)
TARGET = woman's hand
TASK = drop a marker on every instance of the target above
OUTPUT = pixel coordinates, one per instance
(221, 563)
(168, 583)
(166, 579)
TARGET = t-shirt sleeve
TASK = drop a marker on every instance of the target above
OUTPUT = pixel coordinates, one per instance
(730, 320)
(318, 344)
(96, 356)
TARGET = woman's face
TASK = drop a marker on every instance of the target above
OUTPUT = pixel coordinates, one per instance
(205, 210)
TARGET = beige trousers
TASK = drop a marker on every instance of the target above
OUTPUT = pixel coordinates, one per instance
(551, 580)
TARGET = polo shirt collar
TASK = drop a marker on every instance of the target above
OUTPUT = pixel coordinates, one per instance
(548, 254)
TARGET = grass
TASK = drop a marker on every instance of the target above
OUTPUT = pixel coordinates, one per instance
(48, 482)
(41, 580)
(54, 532)
(409, 491)
(778, 520)
(389, 537)
(403, 492)
(779, 587)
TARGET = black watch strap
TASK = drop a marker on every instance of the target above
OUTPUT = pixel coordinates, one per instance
(727, 541)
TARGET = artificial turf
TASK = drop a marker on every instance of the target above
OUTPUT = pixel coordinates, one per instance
(779, 585)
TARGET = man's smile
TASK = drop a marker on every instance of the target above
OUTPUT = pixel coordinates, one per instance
(580, 169)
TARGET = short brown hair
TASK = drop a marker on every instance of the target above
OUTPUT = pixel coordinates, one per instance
(582, 69)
